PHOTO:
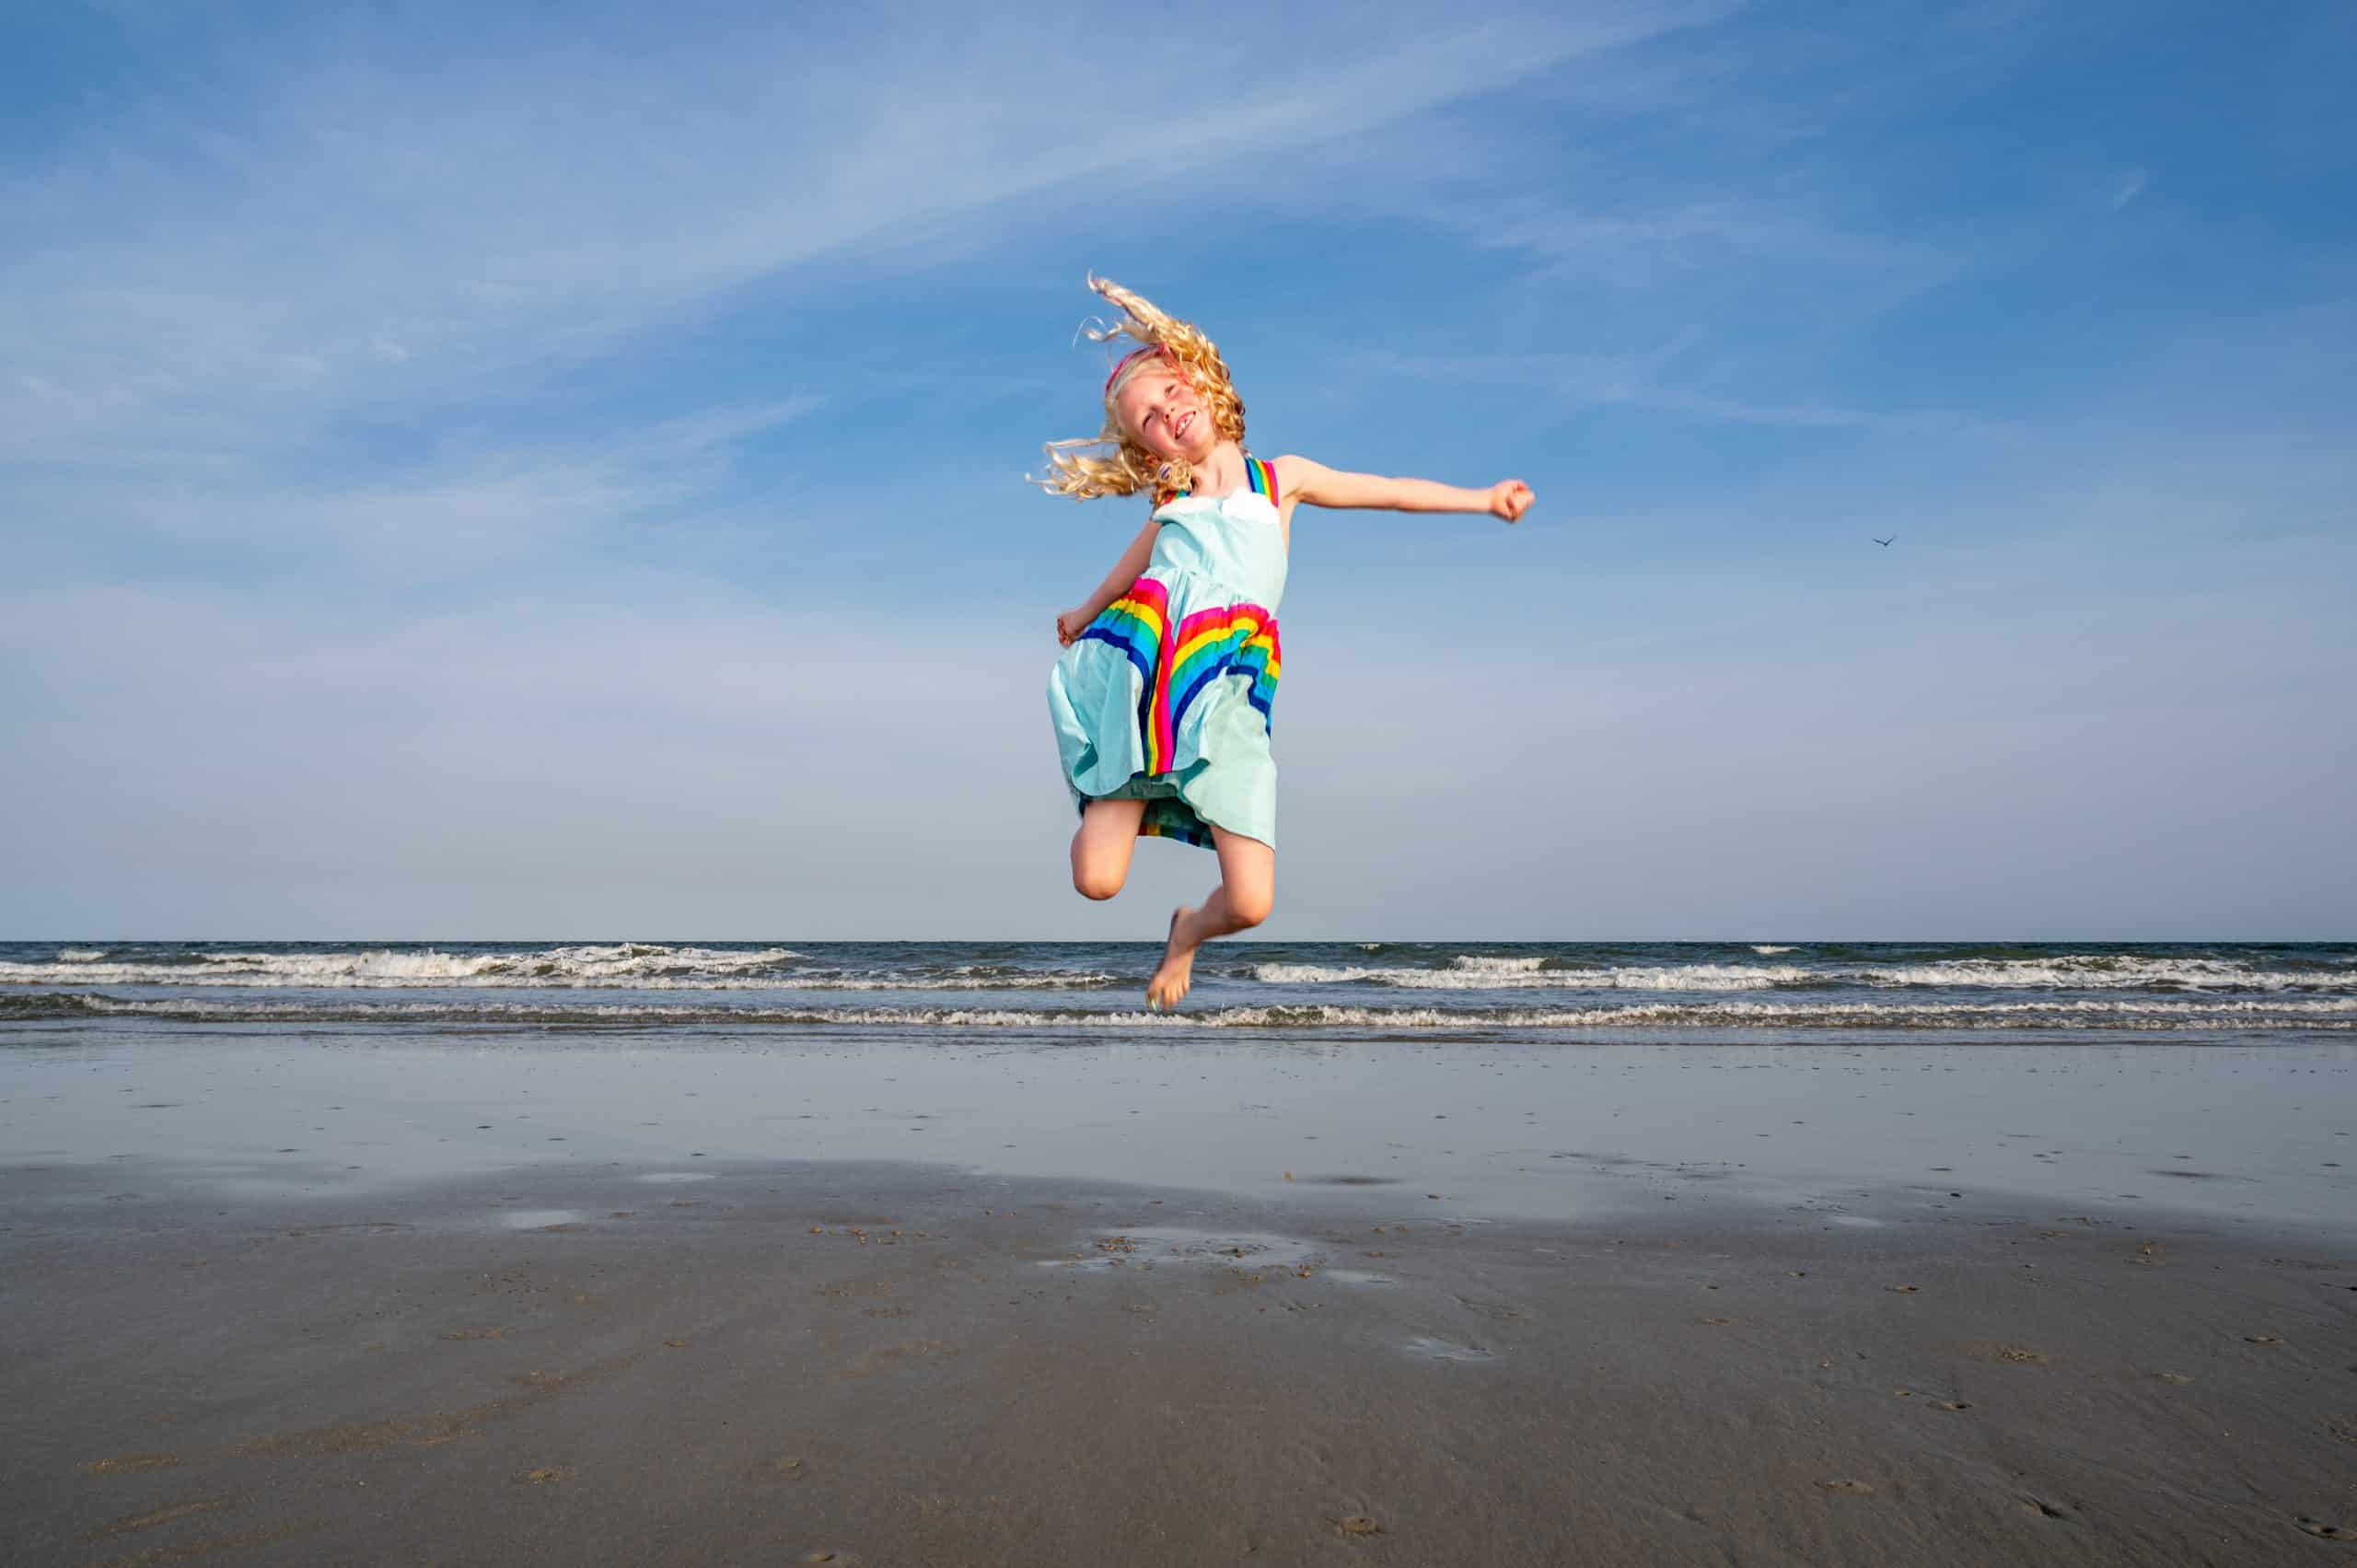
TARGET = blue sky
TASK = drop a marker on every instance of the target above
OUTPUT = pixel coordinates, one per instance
(513, 471)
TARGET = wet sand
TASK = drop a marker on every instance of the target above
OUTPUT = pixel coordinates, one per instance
(508, 1296)
(841, 1361)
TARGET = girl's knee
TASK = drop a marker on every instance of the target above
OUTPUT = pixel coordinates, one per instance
(1250, 905)
(1096, 881)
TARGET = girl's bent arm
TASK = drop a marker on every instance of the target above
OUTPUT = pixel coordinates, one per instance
(1072, 621)
(1125, 570)
(1322, 486)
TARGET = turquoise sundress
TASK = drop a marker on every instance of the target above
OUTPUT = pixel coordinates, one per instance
(1167, 696)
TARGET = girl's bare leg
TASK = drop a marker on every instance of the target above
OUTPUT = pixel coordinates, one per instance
(1102, 847)
(1246, 891)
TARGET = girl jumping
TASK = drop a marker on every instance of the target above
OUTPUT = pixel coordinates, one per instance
(1163, 695)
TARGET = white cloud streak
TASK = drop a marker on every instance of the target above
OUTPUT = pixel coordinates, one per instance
(211, 279)
(1573, 382)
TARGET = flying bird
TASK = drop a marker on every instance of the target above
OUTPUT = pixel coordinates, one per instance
(1884, 542)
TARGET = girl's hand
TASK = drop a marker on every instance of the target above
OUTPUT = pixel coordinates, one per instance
(1071, 625)
(1509, 498)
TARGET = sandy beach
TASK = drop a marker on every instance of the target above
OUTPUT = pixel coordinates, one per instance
(697, 1356)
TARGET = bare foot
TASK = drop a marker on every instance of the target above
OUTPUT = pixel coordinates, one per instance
(1178, 972)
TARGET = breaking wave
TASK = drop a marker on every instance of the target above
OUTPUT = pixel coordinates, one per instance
(2207, 1014)
(1471, 973)
(2088, 972)
(632, 966)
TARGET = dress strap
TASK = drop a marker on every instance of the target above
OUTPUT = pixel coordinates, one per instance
(1262, 478)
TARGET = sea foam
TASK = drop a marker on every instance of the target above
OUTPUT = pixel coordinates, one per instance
(2142, 1014)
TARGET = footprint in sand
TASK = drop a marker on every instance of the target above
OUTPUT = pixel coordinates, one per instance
(2327, 1532)
(1431, 1349)
(130, 1463)
(1493, 1310)
(1984, 1350)
(161, 1516)
(897, 1358)
(2044, 1509)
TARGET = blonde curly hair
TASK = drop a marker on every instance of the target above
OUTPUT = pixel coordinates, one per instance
(1111, 462)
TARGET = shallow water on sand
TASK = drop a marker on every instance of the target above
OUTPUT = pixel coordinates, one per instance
(1505, 1128)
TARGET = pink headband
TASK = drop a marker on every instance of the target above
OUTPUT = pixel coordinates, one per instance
(1124, 362)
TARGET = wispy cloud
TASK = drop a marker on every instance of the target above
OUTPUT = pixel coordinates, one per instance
(1649, 382)
(372, 231)
(1979, 16)
(432, 517)
(1691, 235)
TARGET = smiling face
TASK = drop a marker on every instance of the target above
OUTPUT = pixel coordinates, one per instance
(1159, 410)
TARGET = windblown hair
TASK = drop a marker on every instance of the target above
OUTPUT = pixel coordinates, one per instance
(1110, 462)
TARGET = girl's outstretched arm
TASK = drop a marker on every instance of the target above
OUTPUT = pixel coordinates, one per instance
(1073, 621)
(1322, 486)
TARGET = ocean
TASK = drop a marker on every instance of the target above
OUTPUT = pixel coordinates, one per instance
(1559, 993)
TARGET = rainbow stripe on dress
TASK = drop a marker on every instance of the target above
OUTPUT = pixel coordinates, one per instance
(1177, 663)
(1262, 478)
